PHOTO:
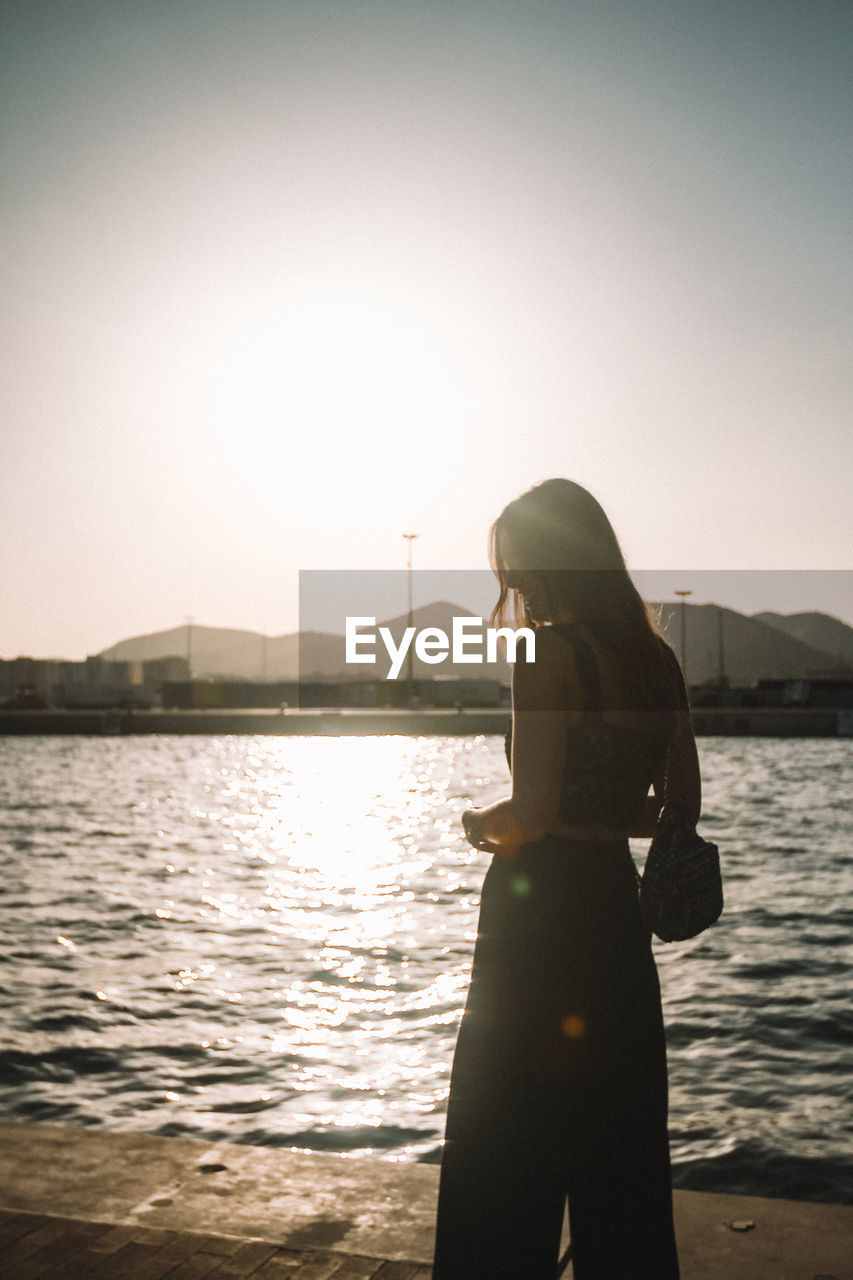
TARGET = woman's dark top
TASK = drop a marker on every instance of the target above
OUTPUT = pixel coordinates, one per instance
(609, 767)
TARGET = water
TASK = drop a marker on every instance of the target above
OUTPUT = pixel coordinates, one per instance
(268, 940)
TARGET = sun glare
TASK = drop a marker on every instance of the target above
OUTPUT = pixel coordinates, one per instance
(334, 377)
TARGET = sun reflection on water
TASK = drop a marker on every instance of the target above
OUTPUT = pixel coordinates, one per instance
(342, 861)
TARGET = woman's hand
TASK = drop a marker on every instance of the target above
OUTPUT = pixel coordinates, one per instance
(493, 830)
(472, 827)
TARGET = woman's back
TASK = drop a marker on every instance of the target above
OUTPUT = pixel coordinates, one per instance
(617, 730)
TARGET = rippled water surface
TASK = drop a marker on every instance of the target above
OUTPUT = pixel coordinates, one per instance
(268, 940)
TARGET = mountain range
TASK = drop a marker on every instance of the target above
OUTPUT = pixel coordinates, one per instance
(745, 648)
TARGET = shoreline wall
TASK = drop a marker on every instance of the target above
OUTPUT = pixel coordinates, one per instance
(776, 722)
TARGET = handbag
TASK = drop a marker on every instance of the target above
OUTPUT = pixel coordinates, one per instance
(681, 888)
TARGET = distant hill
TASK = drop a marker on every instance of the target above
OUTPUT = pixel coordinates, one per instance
(752, 649)
(820, 630)
(218, 653)
(215, 651)
(768, 645)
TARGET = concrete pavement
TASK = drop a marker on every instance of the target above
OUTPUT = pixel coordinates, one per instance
(328, 1210)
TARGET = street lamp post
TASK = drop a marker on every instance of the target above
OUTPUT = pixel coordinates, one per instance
(684, 595)
(410, 672)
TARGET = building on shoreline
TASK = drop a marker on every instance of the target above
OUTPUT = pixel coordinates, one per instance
(95, 683)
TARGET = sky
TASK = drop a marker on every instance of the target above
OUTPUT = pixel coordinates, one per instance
(286, 279)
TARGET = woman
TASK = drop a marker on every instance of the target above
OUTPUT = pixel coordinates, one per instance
(559, 1078)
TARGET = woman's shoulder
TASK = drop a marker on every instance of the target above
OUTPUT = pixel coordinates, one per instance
(565, 637)
(583, 644)
(562, 647)
(548, 667)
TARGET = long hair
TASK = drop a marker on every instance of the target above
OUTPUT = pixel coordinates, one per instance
(559, 531)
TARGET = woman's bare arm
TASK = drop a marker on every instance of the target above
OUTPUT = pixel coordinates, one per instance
(678, 777)
(542, 696)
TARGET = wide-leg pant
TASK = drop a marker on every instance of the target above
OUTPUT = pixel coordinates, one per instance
(559, 1084)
